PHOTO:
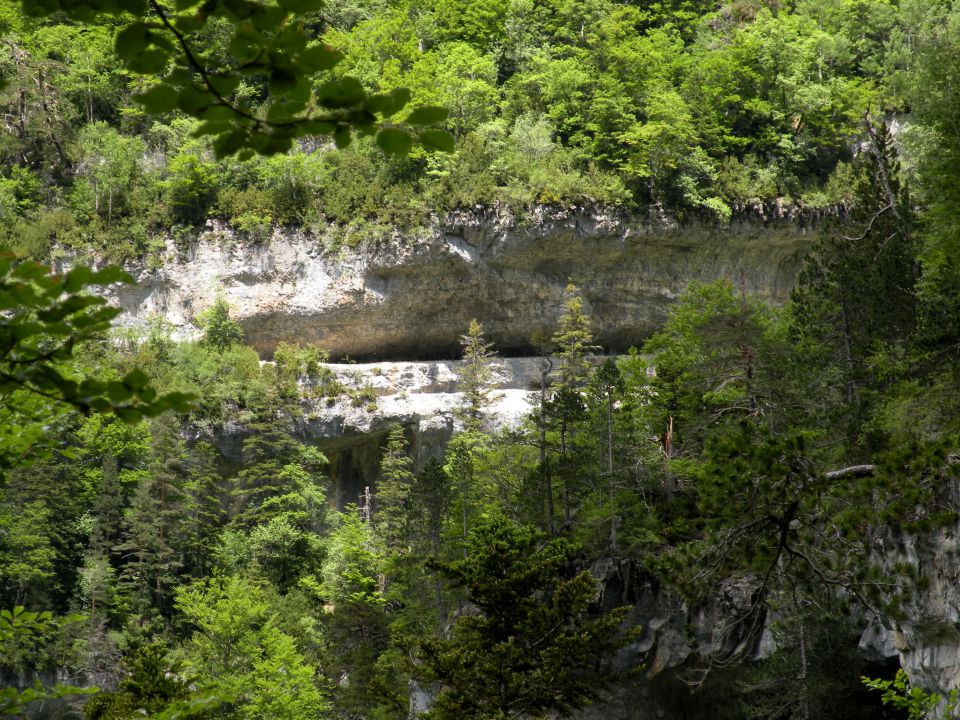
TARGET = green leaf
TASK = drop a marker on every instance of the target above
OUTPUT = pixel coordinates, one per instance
(218, 114)
(212, 128)
(129, 415)
(318, 127)
(301, 6)
(340, 93)
(118, 392)
(267, 18)
(342, 137)
(282, 81)
(439, 140)
(109, 275)
(136, 379)
(318, 57)
(132, 41)
(229, 142)
(190, 23)
(388, 104)
(245, 43)
(78, 278)
(427, 115)
(160, 98)
(394, 141)
(150, 62)
(224, 84)
(192, 101)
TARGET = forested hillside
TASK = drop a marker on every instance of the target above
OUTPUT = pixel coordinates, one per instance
(707, 526)
(688, 105)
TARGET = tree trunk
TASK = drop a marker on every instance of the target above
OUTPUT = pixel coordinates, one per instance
(614, 520)
(848, 355)
(544, 468)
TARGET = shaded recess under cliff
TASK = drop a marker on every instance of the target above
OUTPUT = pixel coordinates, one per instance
(411, 296)
(420, 396)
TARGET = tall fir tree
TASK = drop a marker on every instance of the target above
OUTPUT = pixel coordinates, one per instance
(432, 499)
(151, 534)
(203, 511)
(857, 291)
(573, 341)
(475, 377)
(392, 515)
(565, 410)
(107, 510)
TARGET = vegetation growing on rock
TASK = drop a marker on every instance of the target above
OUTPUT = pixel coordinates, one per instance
(772, 468)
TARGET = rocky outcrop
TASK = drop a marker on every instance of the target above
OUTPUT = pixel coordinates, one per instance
(423, 397)
(412, 295)
(927, 636)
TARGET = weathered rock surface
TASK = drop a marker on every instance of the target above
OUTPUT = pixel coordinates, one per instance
(413, 296)
(421, 396)
(927, 637)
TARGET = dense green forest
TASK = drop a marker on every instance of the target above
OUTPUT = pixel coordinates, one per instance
(774, 446)
(687, 105)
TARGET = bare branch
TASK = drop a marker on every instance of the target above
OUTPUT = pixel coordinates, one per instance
(856, 471)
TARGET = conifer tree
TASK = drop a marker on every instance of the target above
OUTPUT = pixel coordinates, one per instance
(574, 341)
(357, 627)
(607, 386)
(530, 648)
(566, 409)
(271, 457)
(203, 513)
(475, 377)
(857, 290)
(107, 509)
(432, 497)
(151, 532)
(392, 516)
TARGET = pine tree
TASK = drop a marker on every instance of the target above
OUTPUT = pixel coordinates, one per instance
(357, 627)
(530, 649)
(574, 341)
(392, 516)
(475, 377)
(151, 523)
(272, 461)
(461, 470)
(857, 290)
(607, 387)
(566, 409)
(107, 509)
(432, 497)
(203, 513)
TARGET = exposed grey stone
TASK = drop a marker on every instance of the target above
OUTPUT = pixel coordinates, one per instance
(412, 296)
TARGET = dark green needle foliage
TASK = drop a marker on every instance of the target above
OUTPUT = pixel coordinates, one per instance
(153, 683)
(799, 452)
(525, 644)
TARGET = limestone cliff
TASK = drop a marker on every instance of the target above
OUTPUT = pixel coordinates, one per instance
(412, 295)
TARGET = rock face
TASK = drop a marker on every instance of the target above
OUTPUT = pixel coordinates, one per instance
(412, 296)
(421, 396)
(927, 637)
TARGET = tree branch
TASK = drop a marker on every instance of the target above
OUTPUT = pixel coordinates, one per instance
(855, 471)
